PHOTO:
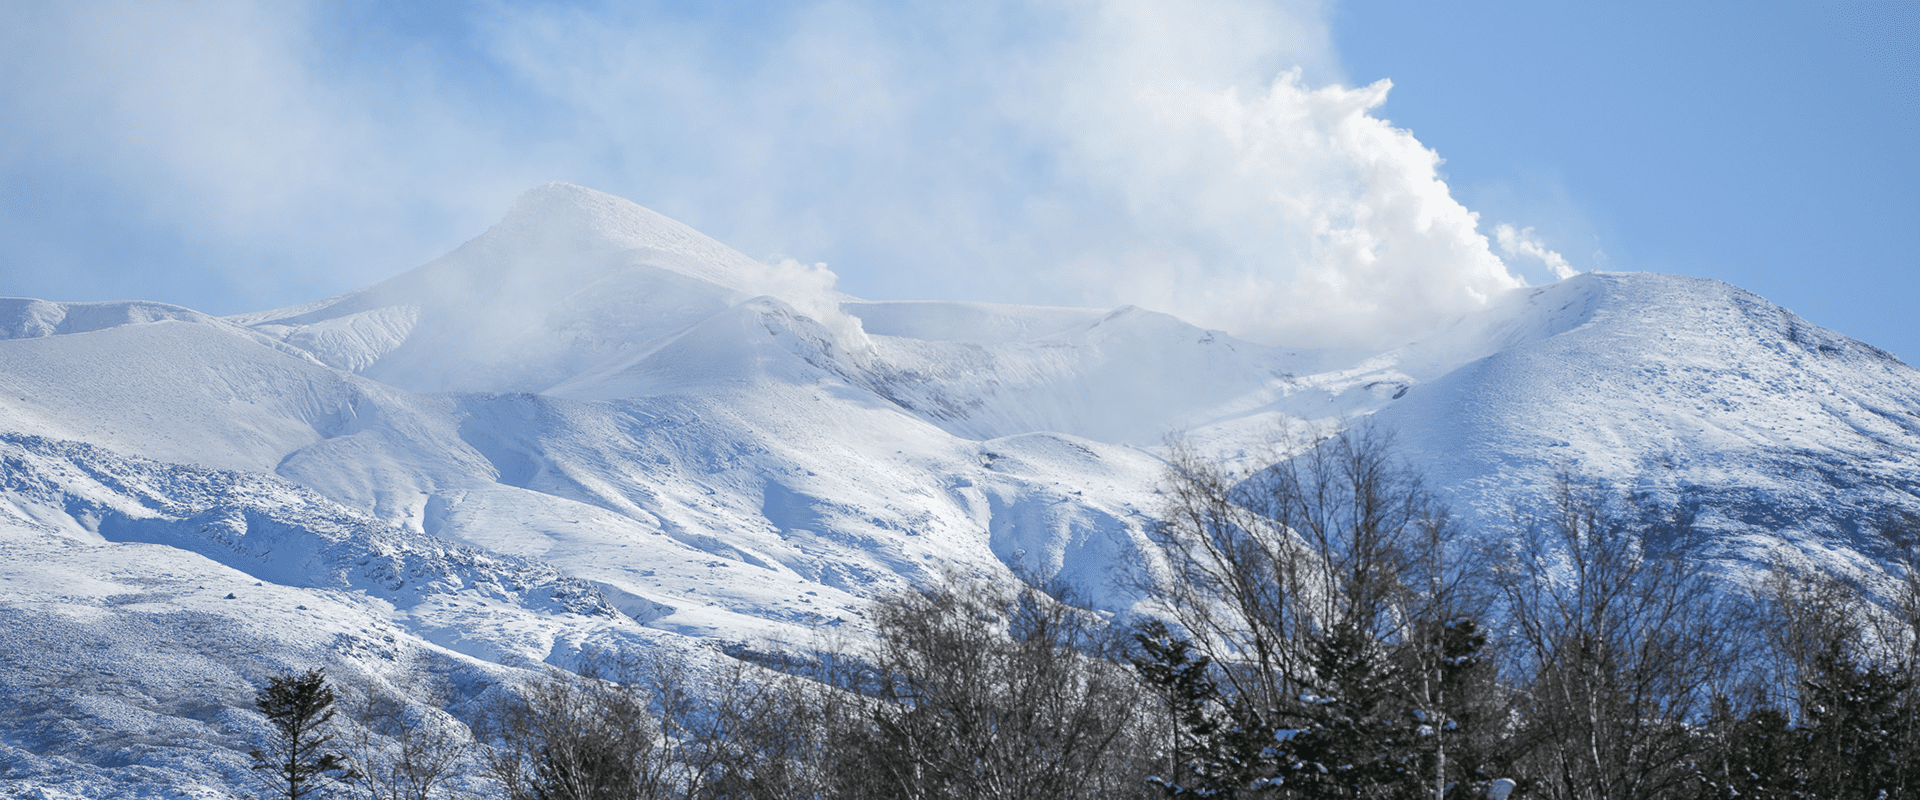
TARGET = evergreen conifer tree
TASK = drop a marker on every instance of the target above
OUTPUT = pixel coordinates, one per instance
(1363, 730)
(1170, 669)
(1852, 714)
(296, 758)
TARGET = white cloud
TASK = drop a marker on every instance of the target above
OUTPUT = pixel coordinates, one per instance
(242, 129)
(1523, 243)
(1296, 215)
(1194, 157)
(1136, 152)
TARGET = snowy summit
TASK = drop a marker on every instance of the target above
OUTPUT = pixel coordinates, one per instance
(593, 427)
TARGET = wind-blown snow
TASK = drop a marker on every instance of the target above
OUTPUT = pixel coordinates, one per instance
(569, 278)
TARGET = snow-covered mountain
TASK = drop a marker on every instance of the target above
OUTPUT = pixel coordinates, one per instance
(1688, 393)
(592, 426)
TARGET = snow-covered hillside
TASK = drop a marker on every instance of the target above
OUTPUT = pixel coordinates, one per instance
(140, 601)
(594, 425)
(1689, 393)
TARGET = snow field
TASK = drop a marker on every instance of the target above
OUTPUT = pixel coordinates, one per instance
(592, 427)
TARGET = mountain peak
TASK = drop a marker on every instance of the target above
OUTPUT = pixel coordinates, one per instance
(568, 277)
(568, 205)
(569, 217)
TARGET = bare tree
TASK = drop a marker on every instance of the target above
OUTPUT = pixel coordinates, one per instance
(1807, 611)
(977, 691)
(578, 737)
(1325, 592)
(750, 733)
(405, 747)
(633, 728)
(1903, 637)
(1624, 642)
(1848, 656)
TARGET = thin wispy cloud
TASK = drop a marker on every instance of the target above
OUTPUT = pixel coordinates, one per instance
(1523, 244)
(1197, 158)
(246, 130)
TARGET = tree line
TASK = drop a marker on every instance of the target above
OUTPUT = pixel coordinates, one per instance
(1313, 629)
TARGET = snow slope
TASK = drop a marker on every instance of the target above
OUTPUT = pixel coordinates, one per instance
(144, 600)
(178, 385)
(593, 425)
(568, 278)
(1687, 392)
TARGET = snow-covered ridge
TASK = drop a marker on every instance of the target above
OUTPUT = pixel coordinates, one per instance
(570, 278)
(264, 526)
(592, 409)
(1685, 392)
(26, 318)
(979, 323)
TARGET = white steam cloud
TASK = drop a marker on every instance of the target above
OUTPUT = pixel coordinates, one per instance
(1523, 243)
(1295, 216)
(809, 289)
(1200, 158)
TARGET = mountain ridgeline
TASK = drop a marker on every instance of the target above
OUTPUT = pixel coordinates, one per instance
(592, 429)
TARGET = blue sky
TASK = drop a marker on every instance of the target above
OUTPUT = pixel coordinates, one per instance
(1775, 146)
(237, 156)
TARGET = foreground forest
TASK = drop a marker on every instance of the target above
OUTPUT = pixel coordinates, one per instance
(1320, 631)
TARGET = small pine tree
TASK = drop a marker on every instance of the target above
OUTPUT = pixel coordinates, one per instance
(1362, 731)
(295, 759)
(1765, 752)
(1852, 712)
(1171, 670)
